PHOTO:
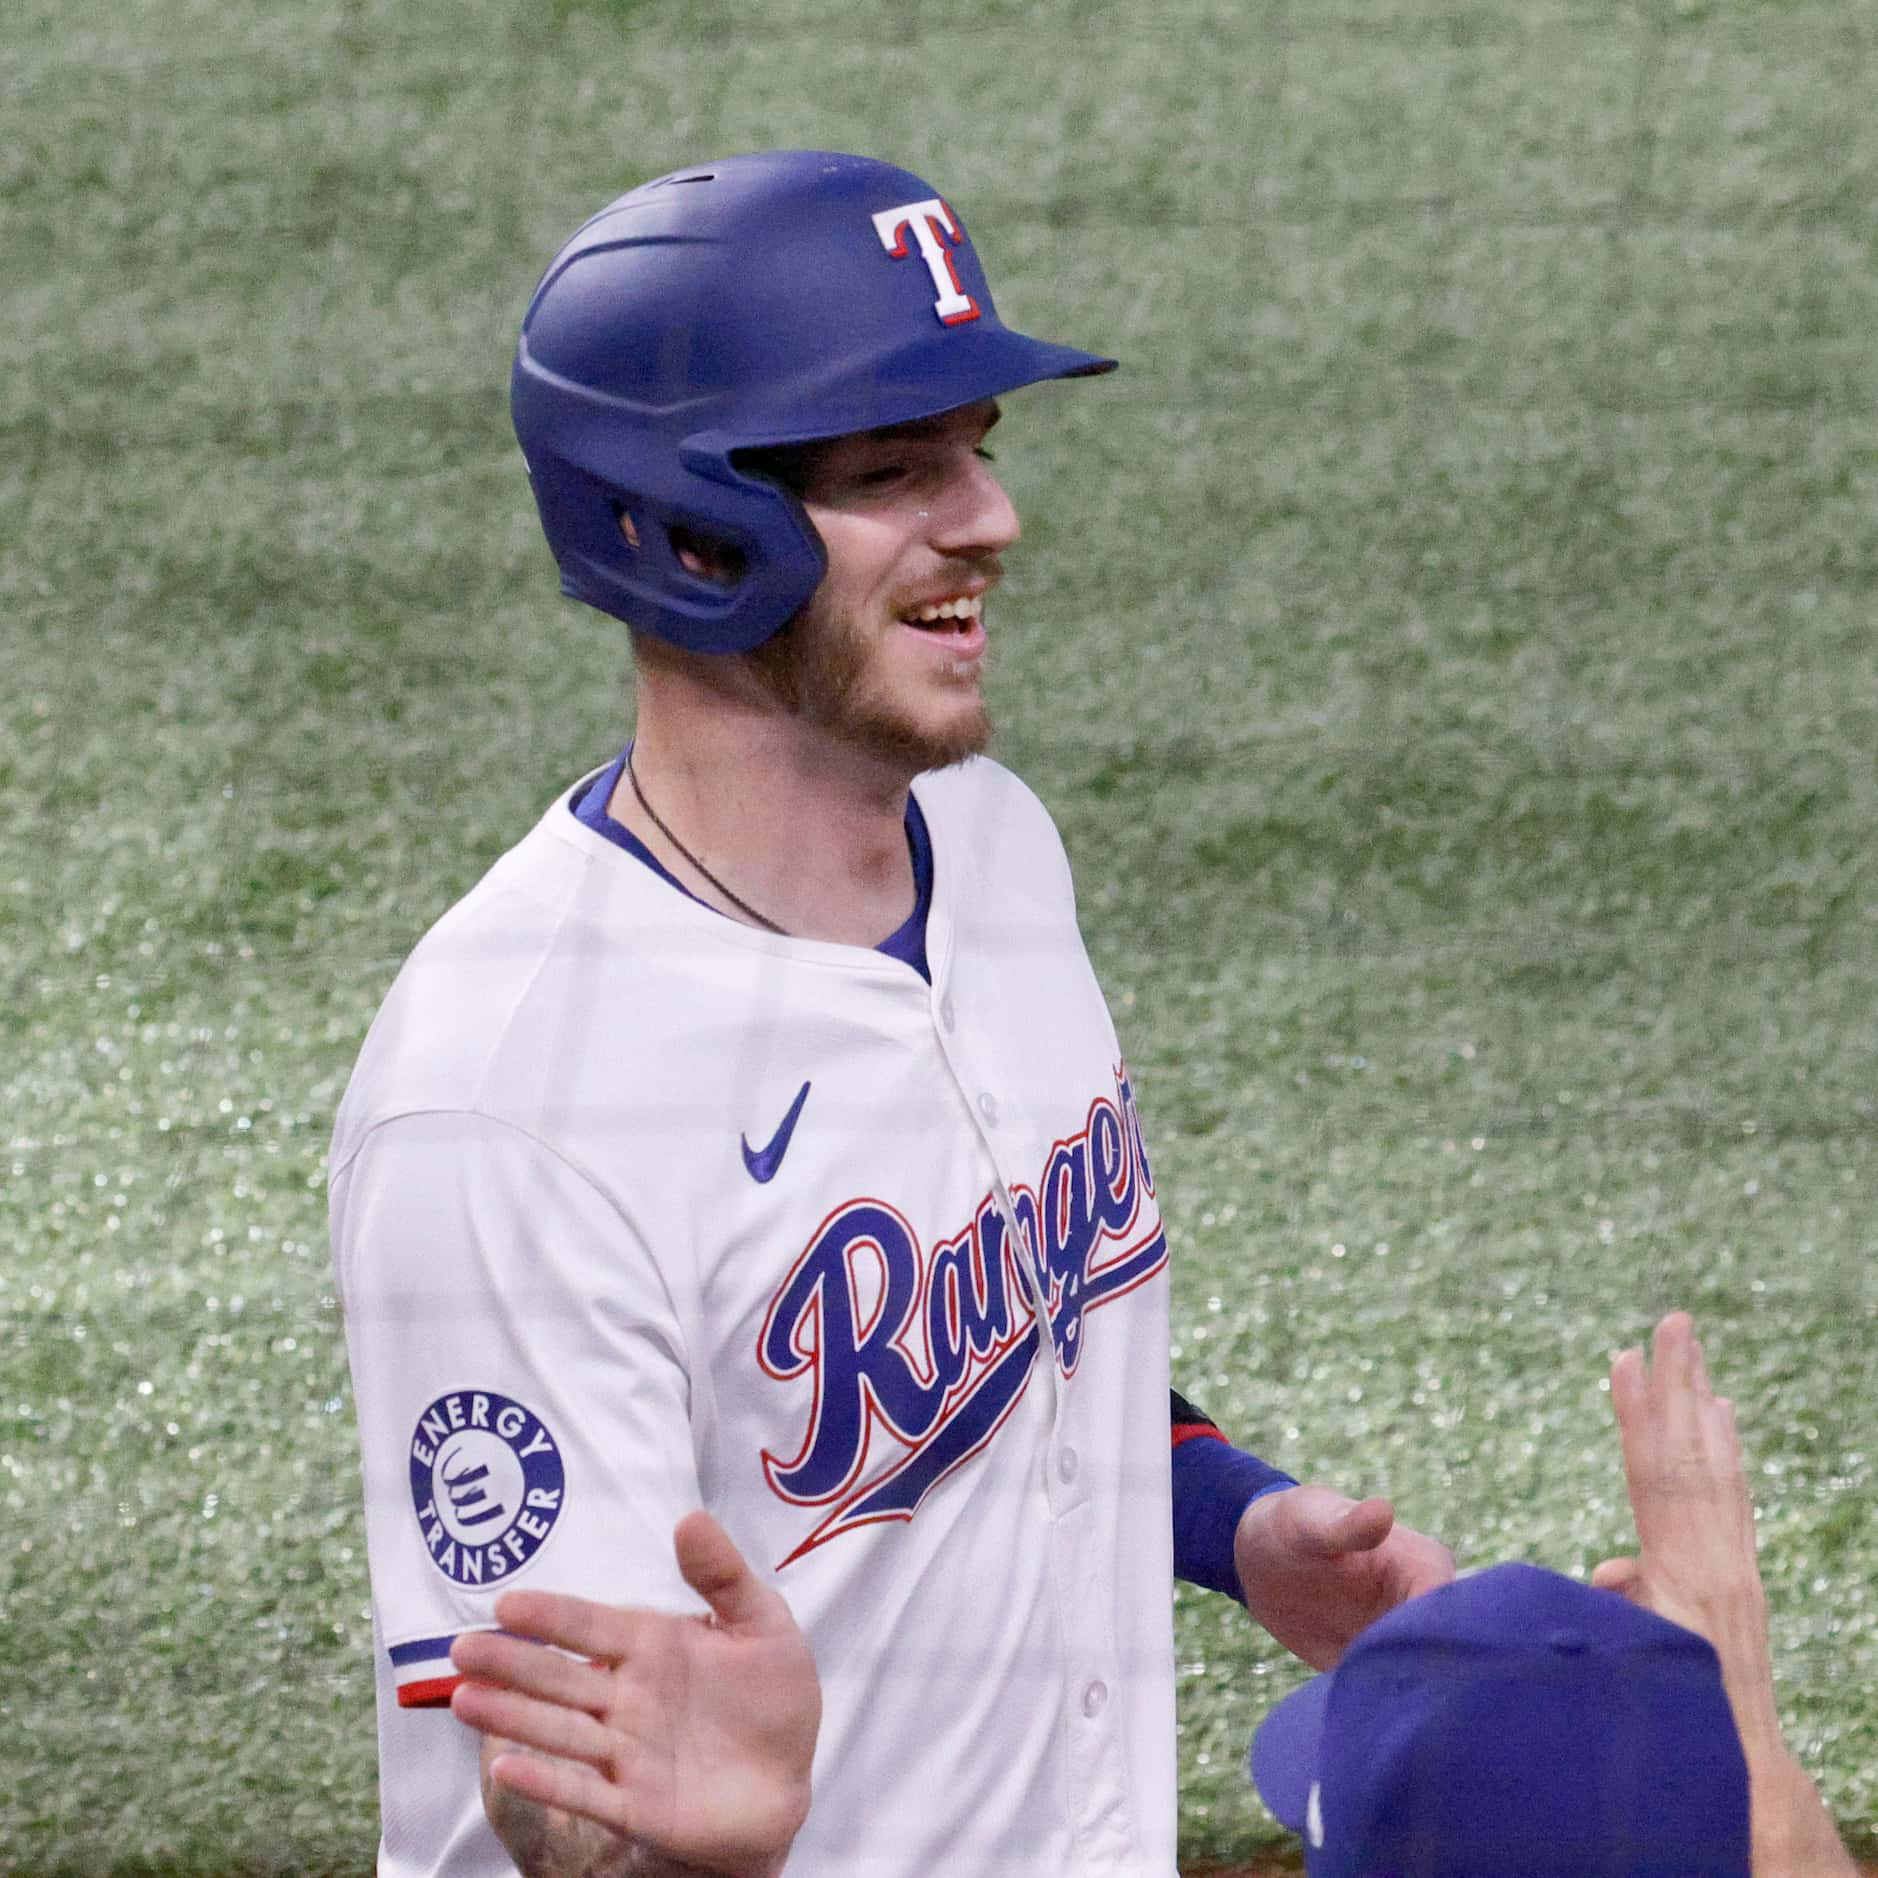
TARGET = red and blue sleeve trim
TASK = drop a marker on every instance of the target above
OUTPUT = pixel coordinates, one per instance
(1214, 1483)
(423, 1672)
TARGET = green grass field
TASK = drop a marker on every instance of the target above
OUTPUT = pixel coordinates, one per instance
(1449, 649)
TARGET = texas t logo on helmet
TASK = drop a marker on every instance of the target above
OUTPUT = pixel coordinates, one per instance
(933, 224)
(729, 308)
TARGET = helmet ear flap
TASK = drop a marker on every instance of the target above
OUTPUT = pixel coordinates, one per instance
(689, 569)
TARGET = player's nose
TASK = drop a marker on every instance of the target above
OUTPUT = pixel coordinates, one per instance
(975, 515)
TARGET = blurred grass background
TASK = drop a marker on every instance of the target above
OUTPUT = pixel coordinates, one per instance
(1449, 649)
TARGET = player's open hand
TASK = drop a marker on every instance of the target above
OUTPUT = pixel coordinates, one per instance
(1695, 1521)
(692, 1735)
(1317, 1567)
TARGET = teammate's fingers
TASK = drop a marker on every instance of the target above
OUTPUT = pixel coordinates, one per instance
(1630, 1382)
(565, 1785)
(605, 1632)
(1676, 1357)
(510, 1663)
(716, 1571)
(1622, 1575)
(571, 1733)
(1698, 1369)
(1730, 1461)
(1630, 1404)
(1423, 1564)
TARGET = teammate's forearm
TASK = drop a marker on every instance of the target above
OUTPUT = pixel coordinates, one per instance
(1793, 1833)
(547, 1843)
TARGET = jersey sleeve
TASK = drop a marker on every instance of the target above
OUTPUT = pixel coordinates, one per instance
(521, 1383)
(1214, 1483)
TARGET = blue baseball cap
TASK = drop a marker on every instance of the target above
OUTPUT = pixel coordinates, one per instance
(1513, 1724)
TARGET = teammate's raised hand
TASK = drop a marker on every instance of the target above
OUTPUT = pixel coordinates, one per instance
(1688, 1483)
(690, 1734)
(1317, 1567)
(1695, 1565)
(1689, 1494)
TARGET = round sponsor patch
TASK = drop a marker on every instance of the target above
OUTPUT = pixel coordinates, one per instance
(487, 1484)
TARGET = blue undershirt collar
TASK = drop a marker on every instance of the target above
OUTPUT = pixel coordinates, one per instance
(907, 943)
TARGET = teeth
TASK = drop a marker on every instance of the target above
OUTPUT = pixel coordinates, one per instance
(948, 609)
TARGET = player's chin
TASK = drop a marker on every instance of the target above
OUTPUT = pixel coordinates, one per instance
(948, 732)
(971, 737)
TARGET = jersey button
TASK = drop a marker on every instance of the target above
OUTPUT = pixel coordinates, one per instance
(988, 1108)
(1066, 1465)
(1095, 1699)
(947, 1015)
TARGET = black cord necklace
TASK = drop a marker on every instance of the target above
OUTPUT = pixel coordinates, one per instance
(742, 905)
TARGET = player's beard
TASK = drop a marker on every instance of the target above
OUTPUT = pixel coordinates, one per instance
(821, 667)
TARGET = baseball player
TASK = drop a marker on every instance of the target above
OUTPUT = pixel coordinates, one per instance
(754, 1136)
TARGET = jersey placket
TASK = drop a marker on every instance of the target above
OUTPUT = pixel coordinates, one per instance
(1090, 1697)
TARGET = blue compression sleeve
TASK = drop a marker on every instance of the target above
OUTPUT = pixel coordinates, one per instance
(1214, 1483)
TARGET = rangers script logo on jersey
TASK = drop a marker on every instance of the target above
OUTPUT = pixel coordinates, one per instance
(936, 1349)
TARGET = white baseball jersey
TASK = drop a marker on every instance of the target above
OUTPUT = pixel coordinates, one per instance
(637, 1209)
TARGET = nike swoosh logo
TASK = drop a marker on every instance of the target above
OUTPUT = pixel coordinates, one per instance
(763, 1162)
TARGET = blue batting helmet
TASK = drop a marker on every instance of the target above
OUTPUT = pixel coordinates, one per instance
(764, 300)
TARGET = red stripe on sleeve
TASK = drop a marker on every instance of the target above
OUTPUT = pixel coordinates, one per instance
(1191, 1431)
(432, 1693)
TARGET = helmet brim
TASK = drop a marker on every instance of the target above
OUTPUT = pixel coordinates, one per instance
(925, 379)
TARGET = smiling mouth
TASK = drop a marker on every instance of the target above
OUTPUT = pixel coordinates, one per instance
(959, 616)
